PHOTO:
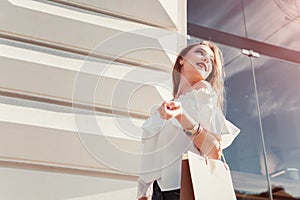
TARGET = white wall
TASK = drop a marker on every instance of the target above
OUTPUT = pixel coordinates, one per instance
(61, 61)
(33, 184)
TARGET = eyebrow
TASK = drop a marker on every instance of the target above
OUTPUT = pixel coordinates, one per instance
(200, 48)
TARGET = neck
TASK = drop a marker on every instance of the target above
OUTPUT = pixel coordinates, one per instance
(184, 86)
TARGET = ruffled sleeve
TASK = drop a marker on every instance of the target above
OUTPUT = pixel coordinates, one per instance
(201, 105)
(229, 134)
(228, 130)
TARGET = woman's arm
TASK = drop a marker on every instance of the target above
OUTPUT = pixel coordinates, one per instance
(207, 142)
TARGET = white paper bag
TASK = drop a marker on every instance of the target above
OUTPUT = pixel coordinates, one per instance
(211, 179)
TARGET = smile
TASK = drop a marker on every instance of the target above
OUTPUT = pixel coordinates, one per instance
(202, 65)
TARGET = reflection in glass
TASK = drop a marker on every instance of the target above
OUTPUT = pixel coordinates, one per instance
(278, 86)
(274, 22)
(278, 82)
(243, 155)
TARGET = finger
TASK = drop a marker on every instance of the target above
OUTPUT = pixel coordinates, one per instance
(169, 106)
(162, 109)
(173, 105)
(170, 103)
(176, 103)
(162, 116)
(163, 104)
(159, 110)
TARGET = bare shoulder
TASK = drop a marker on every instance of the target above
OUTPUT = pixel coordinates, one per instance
(200, 84)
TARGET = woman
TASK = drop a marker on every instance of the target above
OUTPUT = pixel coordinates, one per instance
(192, 121)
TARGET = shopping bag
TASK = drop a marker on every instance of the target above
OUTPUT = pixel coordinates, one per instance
(205, 179)
(186, 188)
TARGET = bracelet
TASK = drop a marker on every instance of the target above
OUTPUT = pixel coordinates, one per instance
(200, 129)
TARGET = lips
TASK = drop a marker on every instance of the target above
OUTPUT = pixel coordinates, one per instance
(202, 65)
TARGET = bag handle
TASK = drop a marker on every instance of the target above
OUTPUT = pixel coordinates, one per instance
(224, 161)
(222, 154)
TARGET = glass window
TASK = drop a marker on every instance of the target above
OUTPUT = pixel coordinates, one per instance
(244, 155)
(277, 85)
(273, 22)
(279, 103)
(278, 91)
(212, 15)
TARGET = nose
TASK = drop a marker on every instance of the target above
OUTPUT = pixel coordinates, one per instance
(205, 59)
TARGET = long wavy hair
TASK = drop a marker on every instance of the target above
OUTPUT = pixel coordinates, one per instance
(216, 77)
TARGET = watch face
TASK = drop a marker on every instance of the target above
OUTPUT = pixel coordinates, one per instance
(189, 133)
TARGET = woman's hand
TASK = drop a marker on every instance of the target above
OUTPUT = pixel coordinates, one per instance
(209, 144)
(170, 109)
(143, 198)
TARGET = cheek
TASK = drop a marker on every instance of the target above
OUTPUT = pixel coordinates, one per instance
(189, 68)
(210, 69)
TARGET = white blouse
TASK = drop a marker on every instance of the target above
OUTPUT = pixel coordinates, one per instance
(164, 141)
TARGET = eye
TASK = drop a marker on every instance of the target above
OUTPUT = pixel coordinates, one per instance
(201, 52)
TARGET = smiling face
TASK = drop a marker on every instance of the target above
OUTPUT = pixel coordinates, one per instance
(197, 64)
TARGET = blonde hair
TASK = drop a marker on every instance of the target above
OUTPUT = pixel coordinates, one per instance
(216, 77)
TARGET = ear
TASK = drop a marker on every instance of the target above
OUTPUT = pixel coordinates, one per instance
(181, 61)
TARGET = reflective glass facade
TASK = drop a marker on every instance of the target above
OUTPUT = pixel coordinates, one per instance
(262, 94)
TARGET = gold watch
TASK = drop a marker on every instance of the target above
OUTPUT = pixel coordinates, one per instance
(193, 131)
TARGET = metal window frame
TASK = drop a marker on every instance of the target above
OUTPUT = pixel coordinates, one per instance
(243, 43)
